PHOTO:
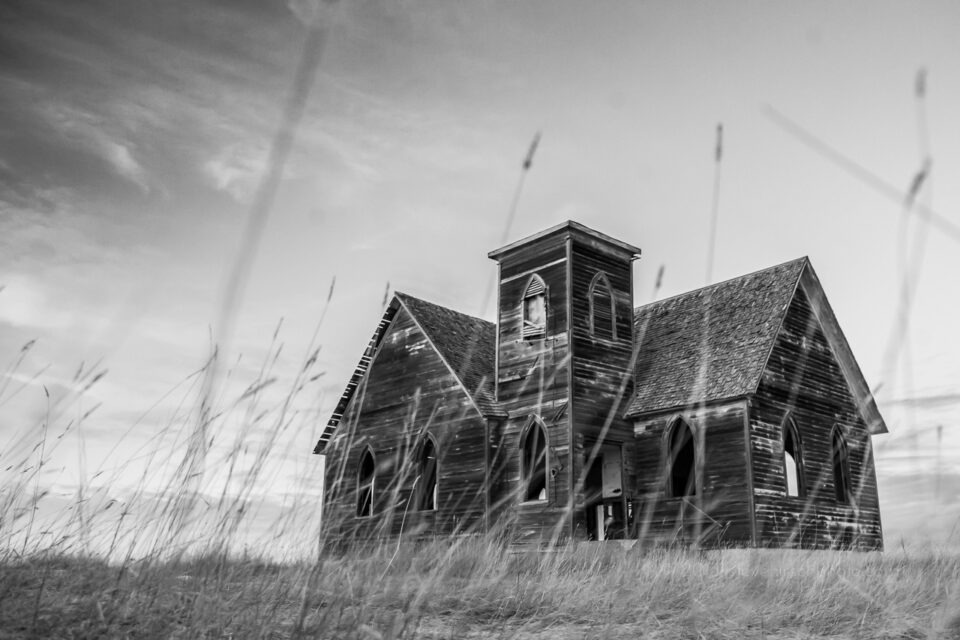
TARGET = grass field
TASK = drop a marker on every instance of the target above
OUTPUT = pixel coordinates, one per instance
(179, 562)
(472, 588)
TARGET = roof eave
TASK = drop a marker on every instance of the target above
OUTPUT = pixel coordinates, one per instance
(712, 402)
(359, 373)
(568, 226)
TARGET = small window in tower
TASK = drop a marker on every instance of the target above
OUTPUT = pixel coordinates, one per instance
(603, 309)
(534, 309)
(533, 462)
(366, 478)
(681, 462)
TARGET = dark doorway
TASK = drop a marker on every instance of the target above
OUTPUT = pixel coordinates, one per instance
(603, 494)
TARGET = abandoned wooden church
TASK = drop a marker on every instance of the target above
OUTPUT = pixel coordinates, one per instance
(733, 415)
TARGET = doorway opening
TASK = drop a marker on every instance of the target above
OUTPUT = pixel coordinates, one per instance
(603, 493)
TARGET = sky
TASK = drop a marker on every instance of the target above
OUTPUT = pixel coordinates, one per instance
(135, 138)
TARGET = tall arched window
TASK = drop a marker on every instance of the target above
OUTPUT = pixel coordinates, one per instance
(426, 481)
(603, 308)
(534, 309)
(366, 481)
(681, 462)
(793, 460)
(533, 462)
(841, 468)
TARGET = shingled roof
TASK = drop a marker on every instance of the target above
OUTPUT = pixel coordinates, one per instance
(734, 323)
(467, 344)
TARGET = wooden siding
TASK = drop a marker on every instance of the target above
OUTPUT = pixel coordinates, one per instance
(517, 265)
(536, 521)
(407, 393)
(719, 514)
(803, 379)
(601, 366)
(532, 381)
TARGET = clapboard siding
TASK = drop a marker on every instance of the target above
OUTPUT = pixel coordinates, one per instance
(532, 381)
(519, 265)
(408, 392)
(601, 363)
(536, 520)
(720, 512)
(803, 380)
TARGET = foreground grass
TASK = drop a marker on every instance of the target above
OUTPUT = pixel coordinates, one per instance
(474, 589)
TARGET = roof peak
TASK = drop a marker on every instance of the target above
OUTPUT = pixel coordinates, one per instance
(406, 296)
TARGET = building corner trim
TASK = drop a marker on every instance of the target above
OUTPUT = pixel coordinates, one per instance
(748, 452)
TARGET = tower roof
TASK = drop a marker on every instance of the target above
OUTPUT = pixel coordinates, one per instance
(574, 229)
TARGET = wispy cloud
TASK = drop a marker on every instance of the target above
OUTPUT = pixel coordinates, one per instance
(91, 134)
(236, 168)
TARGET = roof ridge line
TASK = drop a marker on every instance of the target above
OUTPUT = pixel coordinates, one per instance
(402, 294)
(722, 282)
(783, 318)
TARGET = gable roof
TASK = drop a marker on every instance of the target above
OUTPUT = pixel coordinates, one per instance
(465, 344)
(735, 324)
(732, 323)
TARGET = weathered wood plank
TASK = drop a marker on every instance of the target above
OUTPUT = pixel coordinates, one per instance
(408, 393)
(803, 380)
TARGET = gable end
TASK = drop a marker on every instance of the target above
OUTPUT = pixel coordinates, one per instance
(862, 395)
(480, 397)
(358, 374)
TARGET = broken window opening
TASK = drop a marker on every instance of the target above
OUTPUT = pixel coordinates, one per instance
(603, 309)
(366, 479)
(793, 460)
(533, 457)
(682, 462)
(427, 477)
(534, 309)
(841, 469)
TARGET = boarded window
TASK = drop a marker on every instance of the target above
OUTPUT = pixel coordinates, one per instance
(682, 462)
(426, 494)
(366, 478)
(534, 463)
(603, 310)
(534, 309)
(841, 469)
(793, 460)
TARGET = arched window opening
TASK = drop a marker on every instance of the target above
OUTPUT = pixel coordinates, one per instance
(426, 494)
(603, 308)
(683, 462)
(841, 469)
(533, 462)
(793, 460)
(366, 479)
(534, 309)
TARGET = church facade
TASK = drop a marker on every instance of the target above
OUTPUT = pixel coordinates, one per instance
(732, 415)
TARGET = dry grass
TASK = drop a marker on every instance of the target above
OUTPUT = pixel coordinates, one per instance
(473, 588)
